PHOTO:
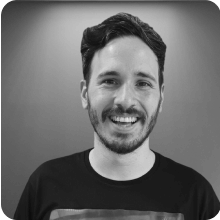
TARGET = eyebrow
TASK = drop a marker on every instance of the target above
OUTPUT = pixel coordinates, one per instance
(146, 75)
(115, 73)
(108, 73)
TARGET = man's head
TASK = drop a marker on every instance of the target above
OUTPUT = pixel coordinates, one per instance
(119, 25)
(123, 81)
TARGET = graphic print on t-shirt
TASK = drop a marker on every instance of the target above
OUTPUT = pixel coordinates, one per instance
(108, 214)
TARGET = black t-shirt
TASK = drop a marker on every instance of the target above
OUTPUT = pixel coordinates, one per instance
(68, 188)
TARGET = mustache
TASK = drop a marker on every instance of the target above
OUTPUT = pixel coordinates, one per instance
(119, 110)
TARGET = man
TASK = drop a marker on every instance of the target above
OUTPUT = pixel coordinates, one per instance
(120, 177)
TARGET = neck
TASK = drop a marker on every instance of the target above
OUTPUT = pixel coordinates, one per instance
(121, 167)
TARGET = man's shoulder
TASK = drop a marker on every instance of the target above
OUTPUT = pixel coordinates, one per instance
(181, 172)
(59, 166)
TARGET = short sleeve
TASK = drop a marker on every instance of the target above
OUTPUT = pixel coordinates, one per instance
(208, 202)
(25, 208)
(213, 204)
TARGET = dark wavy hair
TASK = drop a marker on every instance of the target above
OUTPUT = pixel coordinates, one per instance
(119, 25)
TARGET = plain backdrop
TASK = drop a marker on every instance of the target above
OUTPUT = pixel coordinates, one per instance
(42, 116)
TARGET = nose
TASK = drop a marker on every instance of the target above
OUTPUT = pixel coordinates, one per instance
(125, 96)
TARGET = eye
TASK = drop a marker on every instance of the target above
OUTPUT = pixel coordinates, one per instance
(144, 84)
(110, 82)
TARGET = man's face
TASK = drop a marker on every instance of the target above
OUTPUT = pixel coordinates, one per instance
(123, 98)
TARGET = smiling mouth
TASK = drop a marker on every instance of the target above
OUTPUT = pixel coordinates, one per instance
(124, 121)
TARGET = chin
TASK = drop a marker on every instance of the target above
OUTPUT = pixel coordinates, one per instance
(122, 147)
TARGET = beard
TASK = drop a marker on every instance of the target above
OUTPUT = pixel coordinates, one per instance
(117, 146)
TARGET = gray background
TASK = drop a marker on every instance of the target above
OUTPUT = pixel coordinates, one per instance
(42, 117)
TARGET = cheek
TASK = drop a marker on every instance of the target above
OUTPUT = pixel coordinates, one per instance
(99, 98)
(100, 101)
(150, 104)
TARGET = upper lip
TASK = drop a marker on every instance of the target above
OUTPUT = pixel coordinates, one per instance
(124, 116)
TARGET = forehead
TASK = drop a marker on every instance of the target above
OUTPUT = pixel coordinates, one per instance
(125, 55)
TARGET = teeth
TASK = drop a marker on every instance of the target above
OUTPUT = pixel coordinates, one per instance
(124, 119)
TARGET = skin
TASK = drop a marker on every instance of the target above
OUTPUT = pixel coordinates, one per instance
(124, 76)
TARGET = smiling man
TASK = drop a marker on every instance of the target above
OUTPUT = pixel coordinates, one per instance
(120, 177)
(123, 98)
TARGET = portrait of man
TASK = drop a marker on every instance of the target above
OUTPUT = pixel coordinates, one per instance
(119, 175)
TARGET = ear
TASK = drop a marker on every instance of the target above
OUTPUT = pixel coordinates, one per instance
(84, 94)
(162, 97)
